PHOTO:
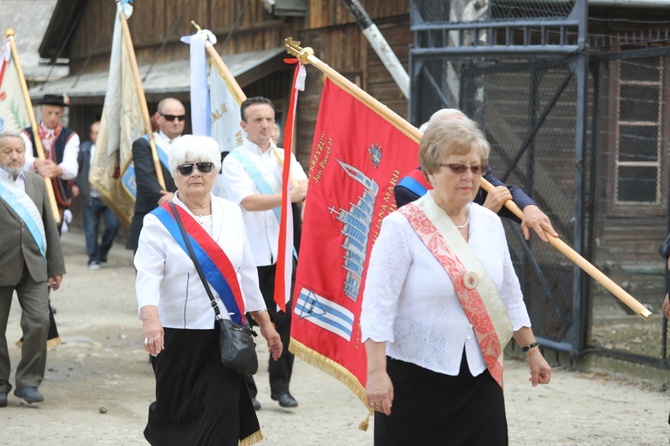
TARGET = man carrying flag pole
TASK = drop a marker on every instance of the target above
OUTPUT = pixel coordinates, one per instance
(218, 116)
(252, 176)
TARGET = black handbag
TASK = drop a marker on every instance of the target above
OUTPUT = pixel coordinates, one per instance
(236, 342)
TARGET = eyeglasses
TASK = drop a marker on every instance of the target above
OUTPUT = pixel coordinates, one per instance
(180, 118)
(187, 169)
(461, 168)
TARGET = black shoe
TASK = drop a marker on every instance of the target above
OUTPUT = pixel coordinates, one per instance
(29, 394)
(256, 403)
(285, 399)
(3, 399)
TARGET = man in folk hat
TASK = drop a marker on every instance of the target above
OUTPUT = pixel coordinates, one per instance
(61, 148)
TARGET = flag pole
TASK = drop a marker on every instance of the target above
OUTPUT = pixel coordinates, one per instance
(223, 69)
(306, 55)
(143, 100)
(33, 124)
(235, 88)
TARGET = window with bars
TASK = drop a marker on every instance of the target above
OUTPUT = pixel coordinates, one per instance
(638, 132)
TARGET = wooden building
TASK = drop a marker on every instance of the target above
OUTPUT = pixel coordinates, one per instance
(250, 39)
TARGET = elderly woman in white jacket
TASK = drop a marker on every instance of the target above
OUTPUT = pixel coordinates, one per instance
(441, 301)
(198, 401)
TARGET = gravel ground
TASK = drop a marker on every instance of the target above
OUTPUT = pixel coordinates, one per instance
(99, 385)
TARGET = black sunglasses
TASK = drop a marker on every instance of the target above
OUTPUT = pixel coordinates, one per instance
(461, 168)
(187, 169)
(180, 118)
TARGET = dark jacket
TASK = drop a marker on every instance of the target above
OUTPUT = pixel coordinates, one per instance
(148, 188)
(404, 195)
(84, 160)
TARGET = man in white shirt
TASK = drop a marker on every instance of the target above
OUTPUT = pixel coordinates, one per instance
(252, 178)
(61, 147)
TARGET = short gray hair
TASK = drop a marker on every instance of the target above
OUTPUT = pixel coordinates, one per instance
(448, 137)
(196, 149)
(447, 113)
(11, 134)
(444, 114)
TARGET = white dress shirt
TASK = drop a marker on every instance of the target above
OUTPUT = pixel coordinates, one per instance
(163, 141)
(410, 303)
(262, 226)
(20, 180)
(70, 165)
(167, 278)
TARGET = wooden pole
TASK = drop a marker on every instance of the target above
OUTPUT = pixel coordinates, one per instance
(33, 124)
(143, 101)
(234, 87)
(306, 55)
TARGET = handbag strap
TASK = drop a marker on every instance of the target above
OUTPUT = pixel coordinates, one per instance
(191, 253)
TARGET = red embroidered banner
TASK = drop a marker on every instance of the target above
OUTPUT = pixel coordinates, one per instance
(357, 159)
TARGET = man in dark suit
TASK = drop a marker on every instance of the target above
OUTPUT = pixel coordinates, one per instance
(170, 117)
(93, 207)
(31, 263)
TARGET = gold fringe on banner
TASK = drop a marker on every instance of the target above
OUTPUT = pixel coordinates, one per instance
(334, 369)
(253, 438)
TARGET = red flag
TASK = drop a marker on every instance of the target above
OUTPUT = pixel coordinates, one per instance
(282, 291)
(357, 159)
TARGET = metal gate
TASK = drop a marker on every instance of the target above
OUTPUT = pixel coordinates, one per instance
(523, 71)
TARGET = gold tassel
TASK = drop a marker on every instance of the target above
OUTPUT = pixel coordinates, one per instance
(253, 438)
(55, 342)
(366, 422)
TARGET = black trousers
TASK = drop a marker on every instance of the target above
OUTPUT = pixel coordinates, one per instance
(280, 370)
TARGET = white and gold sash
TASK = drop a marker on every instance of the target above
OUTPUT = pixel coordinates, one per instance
(478, 295)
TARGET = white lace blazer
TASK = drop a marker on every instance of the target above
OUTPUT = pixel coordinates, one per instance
(410, 303)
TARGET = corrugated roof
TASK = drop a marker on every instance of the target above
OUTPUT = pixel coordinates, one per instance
(166, 77)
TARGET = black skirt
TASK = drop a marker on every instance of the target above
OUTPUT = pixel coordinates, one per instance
(198, 401)
(437, 409)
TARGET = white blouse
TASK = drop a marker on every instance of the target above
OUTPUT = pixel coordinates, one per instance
(410, 303)
(167, 278)
(262, 226)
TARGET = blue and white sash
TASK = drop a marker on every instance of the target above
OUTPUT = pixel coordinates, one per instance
(128, 179)
(257, 177)
(23, 205)
(216, 267)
